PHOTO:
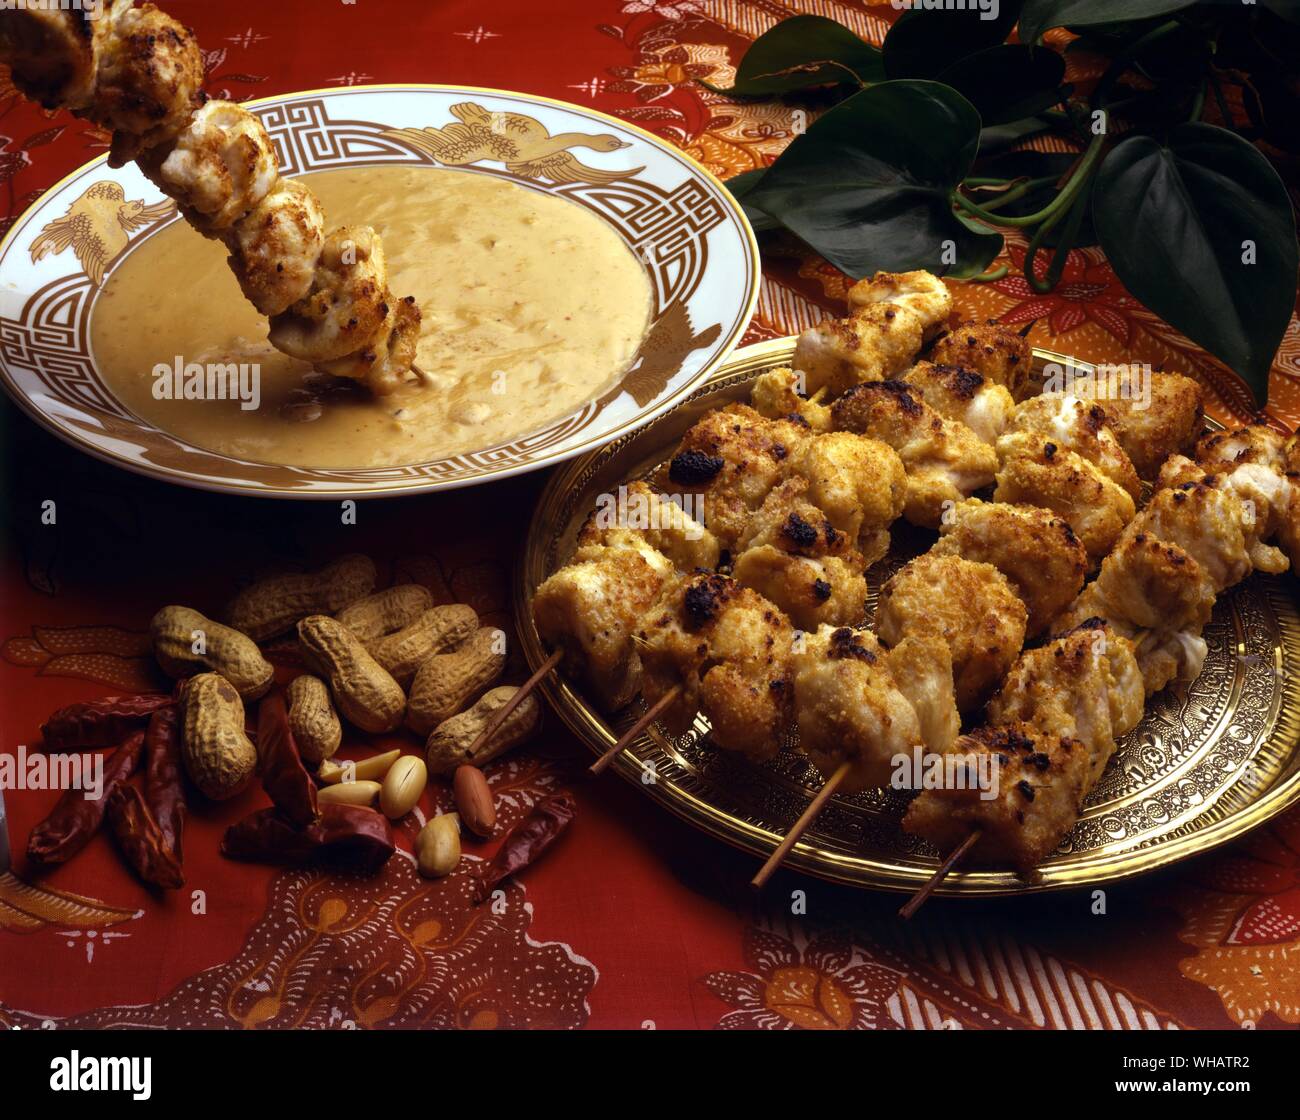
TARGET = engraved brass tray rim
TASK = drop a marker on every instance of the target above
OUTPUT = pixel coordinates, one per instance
(867, 867)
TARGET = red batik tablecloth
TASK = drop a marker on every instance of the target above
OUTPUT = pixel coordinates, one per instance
(633, 919)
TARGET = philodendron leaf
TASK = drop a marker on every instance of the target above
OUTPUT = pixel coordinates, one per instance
(1038, 16)
(868, 186)
(740, 186)
(1200, 229)
(924, 42)
(803, 52)
(1007, 82)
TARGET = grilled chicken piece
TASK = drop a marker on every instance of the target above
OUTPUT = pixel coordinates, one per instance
(861, 486)
(879, 341)
(734, 457)
(593, 607)
(921, 293)
(984, 406)
(274, 250)
(1070, 424)
(663, 524)
(1264, 493)
(1068, 485)
(50, 53)
(730, 650)
(849, 706)
(945, 461)
(221, 167)
(997, 352)
(1037, 551)
(795, 557)
(1152, 430)
(1040, 780)
(970, 605)
(148, 80)
(1085, 685)
(778, 395)
(921, 665)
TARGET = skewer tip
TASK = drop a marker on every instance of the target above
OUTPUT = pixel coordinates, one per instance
(913, 904)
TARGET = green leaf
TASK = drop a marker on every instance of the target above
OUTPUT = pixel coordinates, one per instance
(1173, 218)
(740, 186)
(803, 52)
(1038, 16)
(924, 42)
(1007, 82)
(868, 186)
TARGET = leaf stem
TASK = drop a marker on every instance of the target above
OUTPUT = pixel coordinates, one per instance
(1124, 59)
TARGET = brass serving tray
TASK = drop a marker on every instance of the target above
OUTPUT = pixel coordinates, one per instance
(1211, 759)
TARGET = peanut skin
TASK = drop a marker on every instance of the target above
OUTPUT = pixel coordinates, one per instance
(272, 606)
(363, 690)
(219, 757)
(177, 630)
(446, 682)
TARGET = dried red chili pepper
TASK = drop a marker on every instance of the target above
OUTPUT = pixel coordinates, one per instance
(99, 723)
(164, 785)
(140, 840)
(526, 841)
(346, 834)
(284, 777)
(74, 820)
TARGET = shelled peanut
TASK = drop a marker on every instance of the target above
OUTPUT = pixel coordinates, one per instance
(186, 642)
(218, 755)
(367, 769)
(448, 745)
(363, 690)
(437, 847)
(446, 682)
(349, 793)
(474, 801)
(312, 719)
(271, 606)
(402, 786)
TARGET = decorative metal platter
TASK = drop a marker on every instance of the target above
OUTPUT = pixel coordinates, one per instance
(1211, 759)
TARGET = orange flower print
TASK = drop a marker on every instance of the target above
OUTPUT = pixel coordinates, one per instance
(818, 988)
(1088, 292)
(1243, 916)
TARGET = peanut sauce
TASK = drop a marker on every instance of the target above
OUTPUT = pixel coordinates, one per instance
(532, 306)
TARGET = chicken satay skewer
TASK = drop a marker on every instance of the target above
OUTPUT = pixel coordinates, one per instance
(800, 826)
(139, 73)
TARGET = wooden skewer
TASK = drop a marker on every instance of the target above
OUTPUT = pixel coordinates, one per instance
(521, 694)
(801, 825)
(913, 904)
(647, 718)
